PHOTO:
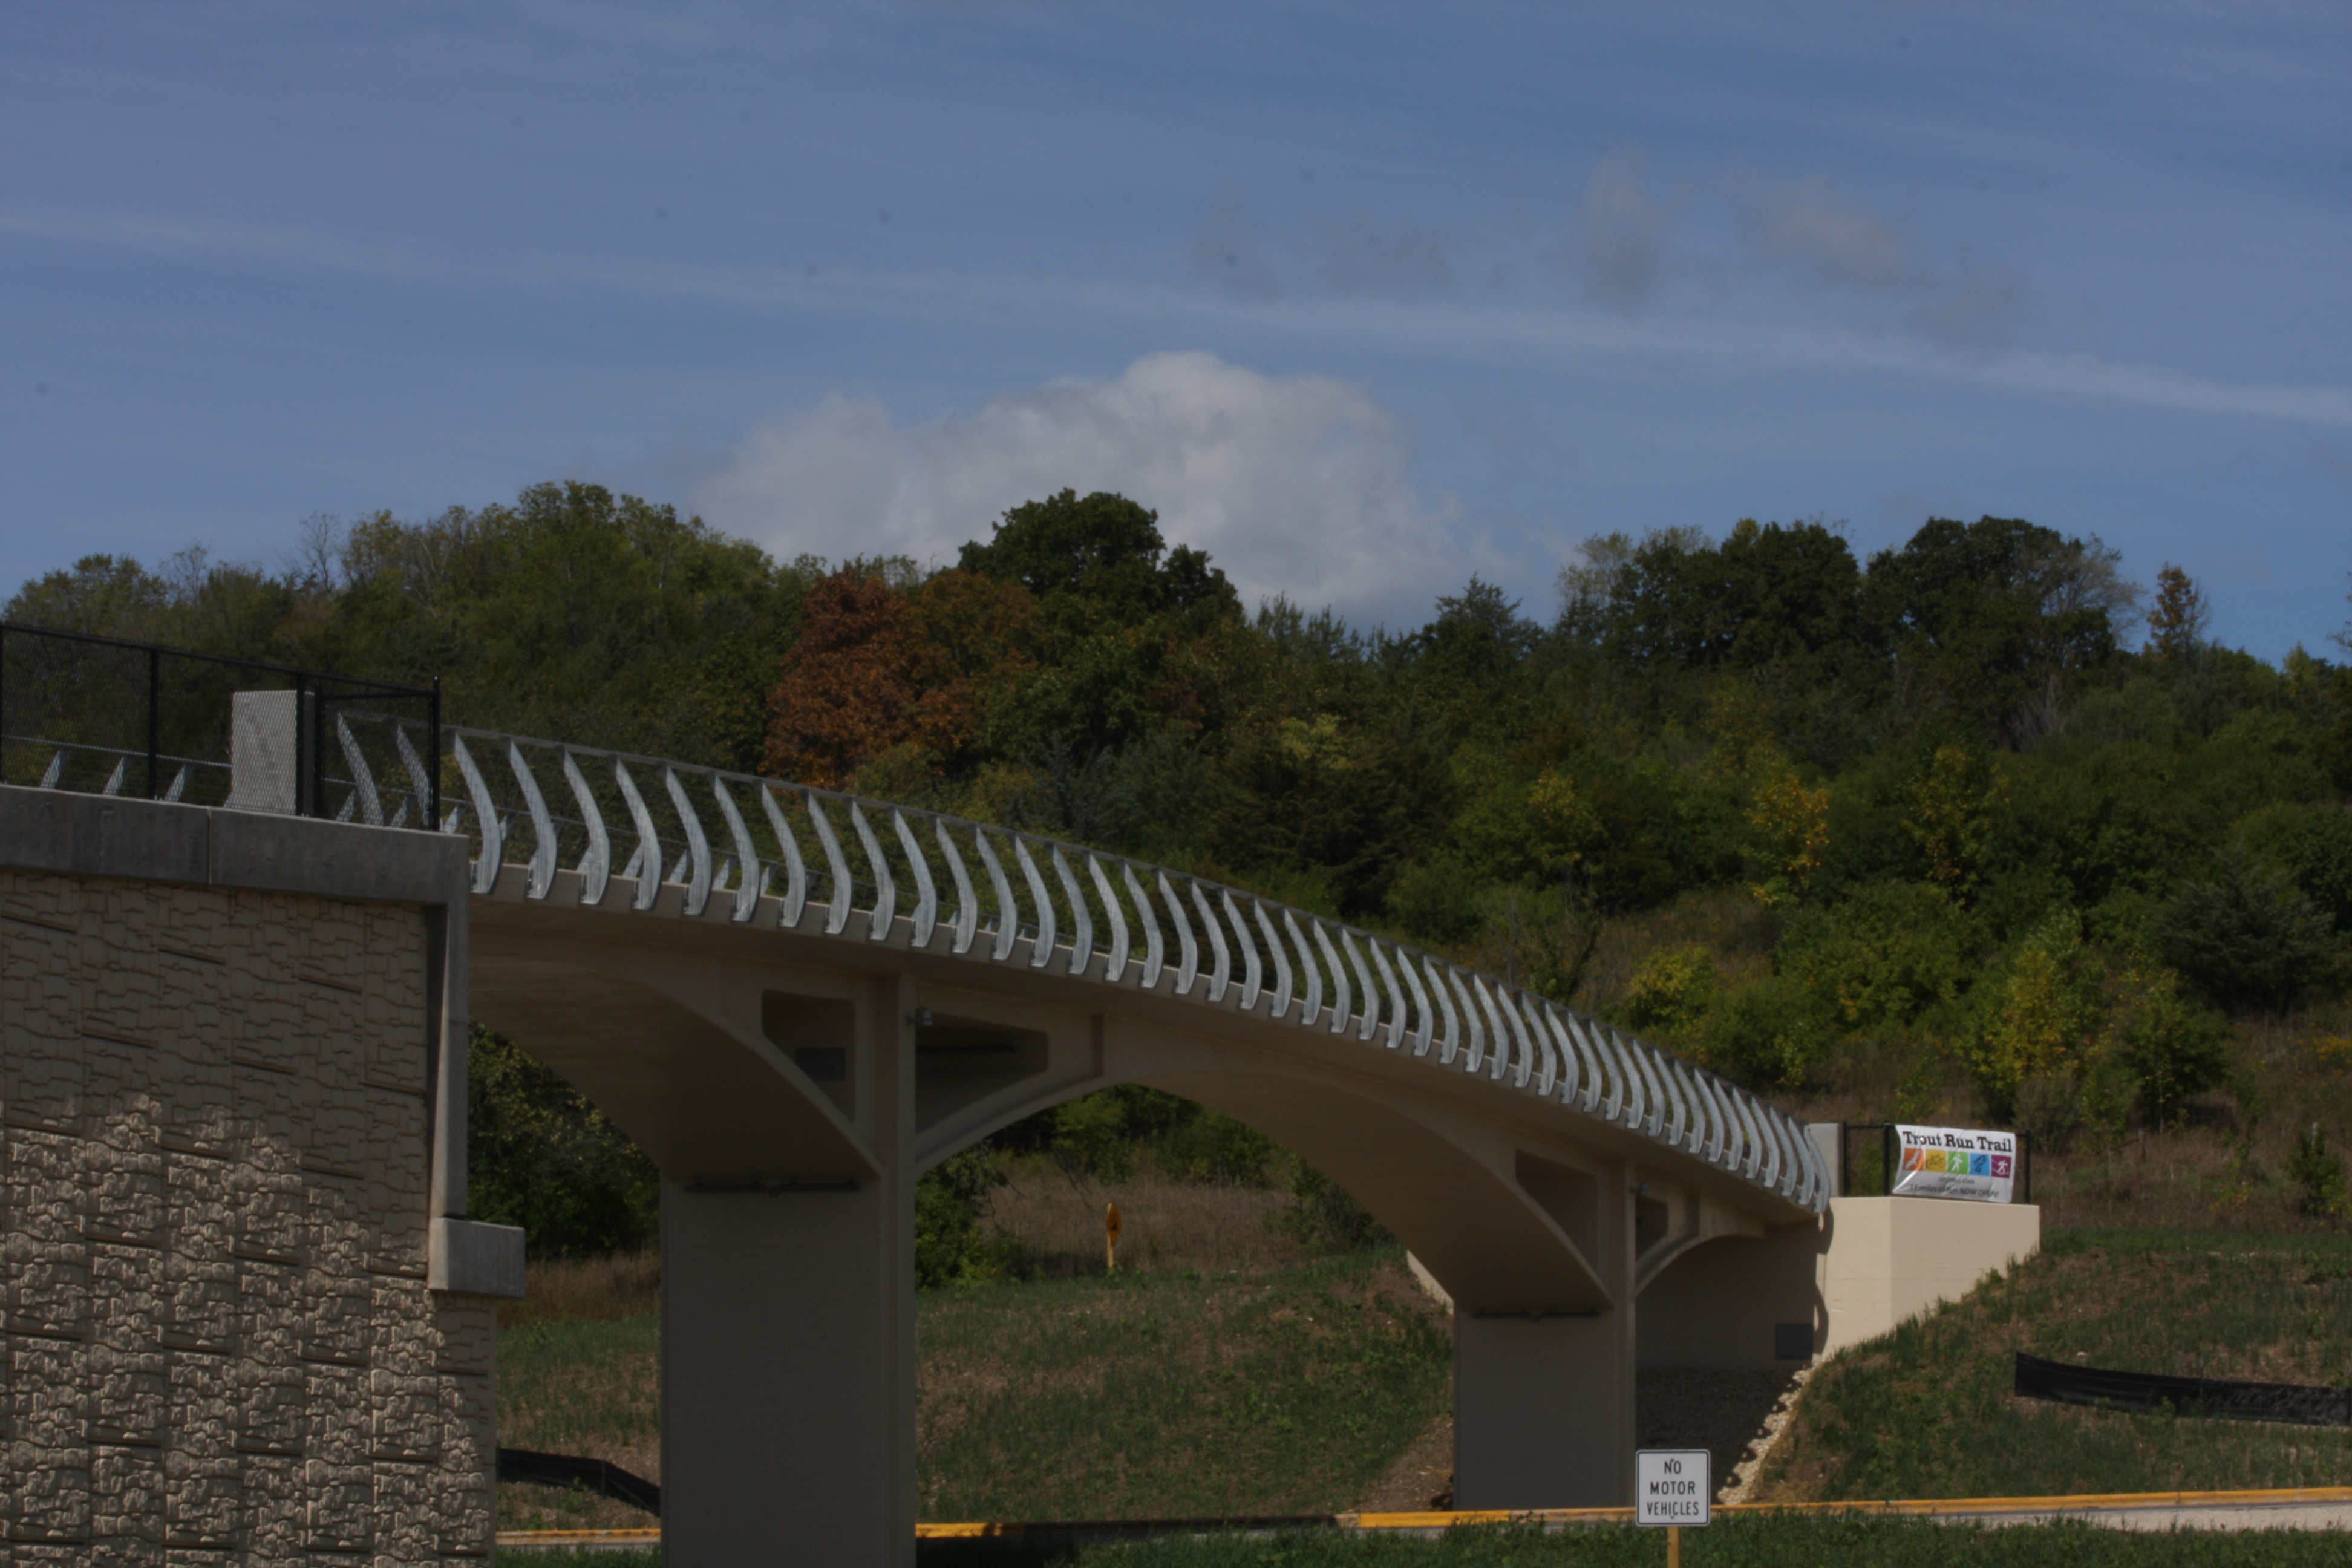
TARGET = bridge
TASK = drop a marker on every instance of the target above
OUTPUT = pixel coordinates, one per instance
(796, 1000)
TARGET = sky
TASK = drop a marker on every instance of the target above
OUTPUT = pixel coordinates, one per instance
(1363, 298)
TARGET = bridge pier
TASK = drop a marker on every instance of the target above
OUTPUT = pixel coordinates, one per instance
(788, 1347)
(1543, 1400)
(788, 1395)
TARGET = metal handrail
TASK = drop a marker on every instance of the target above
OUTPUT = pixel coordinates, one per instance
(1086, 909)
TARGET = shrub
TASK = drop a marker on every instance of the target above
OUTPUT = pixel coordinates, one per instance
(2043, 1020)
(539, 1156)
(2172, 1048)
(1883, 958)
(1672, 988)
(2318, 1172)
(2246, 936)
(1322, 1213)
(952, 1246)
(1770, 1032)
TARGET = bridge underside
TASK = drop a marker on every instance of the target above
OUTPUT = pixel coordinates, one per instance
(791, 1088)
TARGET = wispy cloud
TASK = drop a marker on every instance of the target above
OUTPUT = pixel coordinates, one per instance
(1618, 251)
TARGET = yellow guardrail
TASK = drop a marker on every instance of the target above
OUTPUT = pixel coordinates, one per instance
(1953, 1507)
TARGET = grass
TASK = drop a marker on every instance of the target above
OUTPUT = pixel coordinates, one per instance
(1928, 1411)
(1731, 1543)
(589, 1386)
(1160, 1394)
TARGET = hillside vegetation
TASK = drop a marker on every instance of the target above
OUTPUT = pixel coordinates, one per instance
(1977, 827)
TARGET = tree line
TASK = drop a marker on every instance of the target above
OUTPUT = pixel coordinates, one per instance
(1974, 811)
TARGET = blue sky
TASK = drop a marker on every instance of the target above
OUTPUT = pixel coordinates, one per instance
(1363, 298)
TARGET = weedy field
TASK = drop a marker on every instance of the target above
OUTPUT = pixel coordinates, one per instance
(1928, 1411)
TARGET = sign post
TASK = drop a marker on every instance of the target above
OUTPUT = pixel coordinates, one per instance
(1671, 1488)
(1110, 1238)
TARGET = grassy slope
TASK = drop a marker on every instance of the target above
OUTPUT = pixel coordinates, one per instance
(1928, 1411)
(1283, 1390)
(1162, 1394)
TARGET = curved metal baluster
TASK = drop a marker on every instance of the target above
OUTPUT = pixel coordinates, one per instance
(58, 762)
(1450, 1046)
(1694, 1120)
(1008, 913)
(420, 777)
(1223, 973)
(1188, 950)
(1596, 1086)
(1501, 1058)
(1571, 1060)
(596, 863)
(1310, 1006)
(1498, 1013)
(1342, 996)
(885, 891)
(180, 787)
(1620, 1087)
(1041, 946)
(844, 891)
(1115, 965)
(1645, 1119)
(1399, 1008)
(1252, 966)
(1773, 1148)
(1155, 952)
(1753, 1152)
(1653, 1062)
(1280, 1002)
(1710, 1133)
(542, 825)
(1427, 1025)
(747, 885)
(1533, 1046)
(1677, 1126)
(926, 894)
(1793, 1138)
(795, 900)
(1685, 1130)
(1082, 939)
(363, 778)
(697, 848)
(1371, 1013)
(1477, 1058)
(645, 863)
(486, 811)
(967, 917)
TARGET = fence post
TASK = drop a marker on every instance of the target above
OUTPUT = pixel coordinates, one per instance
(432, 771)
(154, 714)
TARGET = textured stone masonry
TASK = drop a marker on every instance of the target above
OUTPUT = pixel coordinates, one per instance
(216, 1343)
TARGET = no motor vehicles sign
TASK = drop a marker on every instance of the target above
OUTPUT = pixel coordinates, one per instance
(1670, 1486)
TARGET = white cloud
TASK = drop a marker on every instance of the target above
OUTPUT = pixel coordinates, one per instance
(1298, 485)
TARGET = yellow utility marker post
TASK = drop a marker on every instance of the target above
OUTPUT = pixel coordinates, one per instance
(1110, 1238)
(1671, 1488)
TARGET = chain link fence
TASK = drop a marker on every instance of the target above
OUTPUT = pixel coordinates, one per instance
(102, 716)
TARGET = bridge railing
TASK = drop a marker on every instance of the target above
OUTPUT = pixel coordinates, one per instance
(852, 868)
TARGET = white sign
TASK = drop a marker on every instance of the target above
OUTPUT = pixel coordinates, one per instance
(1954, 1162)
(1670, 1486)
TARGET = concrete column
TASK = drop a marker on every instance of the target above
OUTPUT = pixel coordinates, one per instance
(1543, 1402)
(788, 1350)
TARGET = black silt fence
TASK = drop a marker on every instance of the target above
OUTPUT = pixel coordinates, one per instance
(2148, 1393)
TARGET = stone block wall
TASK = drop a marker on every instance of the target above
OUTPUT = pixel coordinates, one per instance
(216, 1341)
